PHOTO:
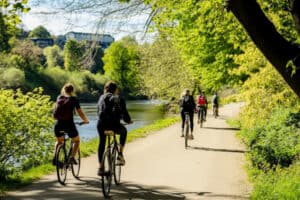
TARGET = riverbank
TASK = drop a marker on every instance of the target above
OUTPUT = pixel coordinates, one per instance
(87, 148)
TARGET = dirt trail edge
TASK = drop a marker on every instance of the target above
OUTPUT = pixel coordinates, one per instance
(158, 167)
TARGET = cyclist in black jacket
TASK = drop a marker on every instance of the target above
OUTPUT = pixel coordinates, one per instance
(187, 104)
(111, 110)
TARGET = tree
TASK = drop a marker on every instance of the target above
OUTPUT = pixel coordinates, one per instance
(74, 55)
(54, 56)
(9, 19)
(284, 55)
(120, 64)
(97, 55)
(40, 32)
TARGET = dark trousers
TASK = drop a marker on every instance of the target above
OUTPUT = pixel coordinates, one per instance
(191, 114)
(118, 129)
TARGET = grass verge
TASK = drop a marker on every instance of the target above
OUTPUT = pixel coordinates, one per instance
(86, 148)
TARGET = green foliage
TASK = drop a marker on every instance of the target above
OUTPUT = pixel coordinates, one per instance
(9, 19)
(27, 55)
(74, 55)
(24, 125)
(87, 85)
(97, 65)
(121, 61)
(40, 32)
(12, 78)
(274, 142)
(163, 74)
(278, 184)
(54, 56)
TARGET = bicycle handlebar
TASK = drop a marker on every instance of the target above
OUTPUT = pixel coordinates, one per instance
(81, 123)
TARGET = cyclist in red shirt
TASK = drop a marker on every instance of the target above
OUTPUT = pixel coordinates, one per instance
(202, 102)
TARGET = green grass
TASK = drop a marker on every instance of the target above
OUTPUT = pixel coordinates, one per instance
(283, 184)
(86, 148)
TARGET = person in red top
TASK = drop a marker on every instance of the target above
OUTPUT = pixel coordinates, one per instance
(202, 102)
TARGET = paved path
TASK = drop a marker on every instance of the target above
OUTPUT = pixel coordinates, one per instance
(158, 167)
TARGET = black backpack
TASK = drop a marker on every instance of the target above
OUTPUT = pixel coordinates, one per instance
(63, 110)
(110, 108)
(186, 102)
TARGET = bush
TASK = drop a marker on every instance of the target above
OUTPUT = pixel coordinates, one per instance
(12, 78)
(278, 184)
(25, 121)
(275, 141)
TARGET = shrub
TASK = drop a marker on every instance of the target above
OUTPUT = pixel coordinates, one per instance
(12, 78)
(25, 121)
(278, 184)
(274, 141)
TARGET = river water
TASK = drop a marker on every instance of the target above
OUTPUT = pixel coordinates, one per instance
(141, 112)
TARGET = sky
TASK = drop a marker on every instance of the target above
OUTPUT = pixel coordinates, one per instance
(60, 22)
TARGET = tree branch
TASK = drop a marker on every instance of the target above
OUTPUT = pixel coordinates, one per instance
(265, 36)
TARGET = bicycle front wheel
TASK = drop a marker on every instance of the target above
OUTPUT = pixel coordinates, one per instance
(61, 165)
(117, 166)
(106, 173)
(76, 167)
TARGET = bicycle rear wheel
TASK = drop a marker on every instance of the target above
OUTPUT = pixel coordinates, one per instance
(201, 117)
(116, 165)
(76, 168)
(61, 165)
(106, 173)
(187, 128)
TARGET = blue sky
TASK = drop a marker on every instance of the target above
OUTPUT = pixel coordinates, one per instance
(63, 22)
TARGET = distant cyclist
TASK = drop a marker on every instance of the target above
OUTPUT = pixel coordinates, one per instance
(65, 106)
(202, 103)
(111, 109)
(187, 104)
(215, 103)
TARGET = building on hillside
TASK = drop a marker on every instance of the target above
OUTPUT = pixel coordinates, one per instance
(104, 40)
(43, 42)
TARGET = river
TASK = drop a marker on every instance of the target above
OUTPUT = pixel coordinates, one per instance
(141, 112)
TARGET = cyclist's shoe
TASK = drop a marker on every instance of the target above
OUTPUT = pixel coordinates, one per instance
(73, 161)
(120, 159)
(100, 172)
(182, 135)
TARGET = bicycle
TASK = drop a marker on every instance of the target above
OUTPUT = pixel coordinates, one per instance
(187, 128)
(110, 166)
(201, 115)
(62, 159)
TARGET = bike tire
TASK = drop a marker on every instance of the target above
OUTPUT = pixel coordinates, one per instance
(61, 165)
(116, 166)
(76, 168)
(186, 136)
(201, 118)
(107, 173)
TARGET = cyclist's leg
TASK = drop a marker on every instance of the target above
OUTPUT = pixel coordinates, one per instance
(76, 142)
(59, 138)
(122, 131)
(182, 121)
(74, 135)
(101, 146)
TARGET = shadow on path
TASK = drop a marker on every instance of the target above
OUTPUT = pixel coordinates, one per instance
(90, 188)
(222, 128)
(218, 150)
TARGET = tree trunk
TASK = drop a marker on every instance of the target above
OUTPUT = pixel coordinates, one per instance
(295, 10)
(265, 36)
